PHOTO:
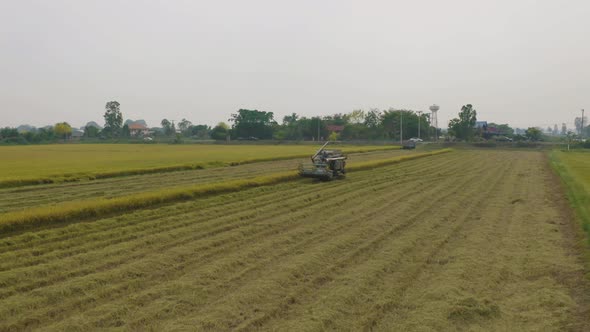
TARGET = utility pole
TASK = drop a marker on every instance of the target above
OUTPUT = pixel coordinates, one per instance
(318, 128)
(419, 115)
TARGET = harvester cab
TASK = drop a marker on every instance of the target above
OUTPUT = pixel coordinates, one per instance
(325, 165)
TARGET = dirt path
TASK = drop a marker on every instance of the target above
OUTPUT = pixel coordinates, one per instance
(473, 240)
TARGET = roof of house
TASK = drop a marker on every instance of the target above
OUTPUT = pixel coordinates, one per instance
(493, 130)
(77, 133)
(137, 126)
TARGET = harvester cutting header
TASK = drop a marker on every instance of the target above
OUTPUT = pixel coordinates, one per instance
(326, 165)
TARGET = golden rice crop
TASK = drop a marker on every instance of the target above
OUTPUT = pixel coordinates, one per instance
(30, 165)
(91, 208)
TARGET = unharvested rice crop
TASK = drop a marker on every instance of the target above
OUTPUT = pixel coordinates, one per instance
(27, 197)
(25, 165)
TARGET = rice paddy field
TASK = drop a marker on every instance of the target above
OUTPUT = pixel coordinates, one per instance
(468, 240)
(71, 161)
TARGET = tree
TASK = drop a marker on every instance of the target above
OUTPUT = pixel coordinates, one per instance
(279, 134)
(356, 116)
(316, 128)
(333, 136)
(199, 131)
(355, 131)
(534, 134)
(289, 120)
(8, 132)
(503, 129)
(253, 123)
(292, 128)
(464, 126)
(390, 120)
(125, 132)
(338, 119)
(46, 134)
(184, 126)
(220, 132)
(169, 128)
(63, 129)
(569, 139)
(113, 119)
(91, 131)
(373, 118)
(519, 138)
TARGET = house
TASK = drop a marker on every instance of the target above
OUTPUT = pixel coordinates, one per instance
(138, 129)
(490, 131)
(76, 134)
(483, 125)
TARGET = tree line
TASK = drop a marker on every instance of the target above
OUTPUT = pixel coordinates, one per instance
(246, 124)
(374, 124)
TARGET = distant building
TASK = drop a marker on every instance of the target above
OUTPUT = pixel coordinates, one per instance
(481, 128)
(481, 125)
(138, 129)
(486, 131)
(76, 134)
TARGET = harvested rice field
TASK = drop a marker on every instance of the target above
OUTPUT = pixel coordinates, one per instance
(465, 240)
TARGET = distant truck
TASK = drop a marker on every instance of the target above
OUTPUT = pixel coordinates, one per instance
(409, 145)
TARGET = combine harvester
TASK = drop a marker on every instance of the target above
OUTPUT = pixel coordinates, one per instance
(326, 165)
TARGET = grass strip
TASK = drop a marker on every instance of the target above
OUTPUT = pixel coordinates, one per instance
(577, 194)
(80, 210)
(76, 177)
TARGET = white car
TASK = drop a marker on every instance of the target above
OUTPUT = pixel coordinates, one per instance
(417, 140)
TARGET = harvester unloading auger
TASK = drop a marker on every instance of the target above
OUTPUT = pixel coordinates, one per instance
(326, 165)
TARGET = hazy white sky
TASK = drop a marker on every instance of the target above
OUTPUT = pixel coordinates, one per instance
(521, 62)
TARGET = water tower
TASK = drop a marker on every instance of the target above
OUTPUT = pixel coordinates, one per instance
(434, 119)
